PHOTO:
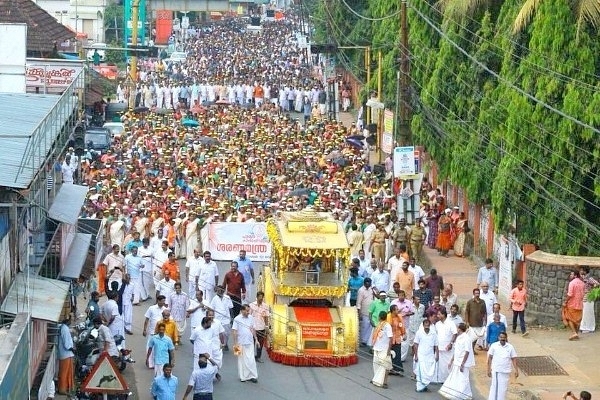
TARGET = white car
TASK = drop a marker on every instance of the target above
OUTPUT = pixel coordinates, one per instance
(177, 56)
(116, 129)
(101, 47)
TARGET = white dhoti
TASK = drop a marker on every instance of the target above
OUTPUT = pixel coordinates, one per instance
(424, 370)
(499, 385)
(151, 358)
(128, 316)
(207, 290)
(192, 288)
(382, 363)
(442, 366)
(588, 321)
(217, 356)
(181, 325)
(366, 330)
(117, 327)
(246, 363)
(457, 386)
(148, 284)
(139, 293)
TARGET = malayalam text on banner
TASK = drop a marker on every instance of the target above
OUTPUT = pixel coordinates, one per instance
(226, 239)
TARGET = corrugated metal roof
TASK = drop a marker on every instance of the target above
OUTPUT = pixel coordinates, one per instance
(48, 297)
(66, 206)
(20, 115)
(77, 256)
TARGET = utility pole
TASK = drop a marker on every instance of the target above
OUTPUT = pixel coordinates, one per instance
(381, 112)
(368, 67)
(133, 60)
(404, 133)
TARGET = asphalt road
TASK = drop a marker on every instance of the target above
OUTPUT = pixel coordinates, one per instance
(276, 381)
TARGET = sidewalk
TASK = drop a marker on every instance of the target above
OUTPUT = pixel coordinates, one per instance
(576, 358)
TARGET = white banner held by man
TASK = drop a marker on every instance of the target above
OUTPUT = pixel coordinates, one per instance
(226, 239)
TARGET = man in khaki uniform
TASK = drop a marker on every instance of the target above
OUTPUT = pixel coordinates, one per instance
(378, 243)
(400, 234)
(416, 238)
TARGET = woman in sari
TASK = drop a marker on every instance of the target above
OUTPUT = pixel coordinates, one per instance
(462, 228)
(382, 346)
(102, 272)
(432, 222)
(444, 240)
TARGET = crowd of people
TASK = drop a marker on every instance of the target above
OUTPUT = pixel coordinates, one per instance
(231, 149)
(402, 312)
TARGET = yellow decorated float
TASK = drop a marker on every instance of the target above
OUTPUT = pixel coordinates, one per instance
(305, 284)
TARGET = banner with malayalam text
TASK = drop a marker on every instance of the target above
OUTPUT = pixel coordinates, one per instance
(226, 239)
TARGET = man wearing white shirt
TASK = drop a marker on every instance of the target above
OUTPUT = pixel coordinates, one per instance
(222, 304)
(201, 339)
(446, 331)
(146, 253)
(197, 309)
(488, 296)
(244, 336)
(160, 258)
(496, 311)
(364, 268)
(68, 169)
(209, 276)
(502, 359)
(380, 279)
(192, 271)
(394, 265)
(416, 270)
(166, 287)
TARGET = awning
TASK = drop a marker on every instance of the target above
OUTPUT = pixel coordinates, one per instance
(77, 255)
(66, 206)
(48, 297)
(308, 229)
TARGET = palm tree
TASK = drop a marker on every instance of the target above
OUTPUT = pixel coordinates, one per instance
(458, 9)
(586, 11)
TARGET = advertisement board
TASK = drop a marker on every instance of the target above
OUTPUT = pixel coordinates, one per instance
(404, 161)
(51, 76)
(226, 239)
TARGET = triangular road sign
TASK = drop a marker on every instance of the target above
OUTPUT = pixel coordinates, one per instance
(104, 378)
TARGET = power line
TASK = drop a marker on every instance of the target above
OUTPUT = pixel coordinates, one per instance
(368, 18)
(530, 140)
(546, 195)
(503, 80)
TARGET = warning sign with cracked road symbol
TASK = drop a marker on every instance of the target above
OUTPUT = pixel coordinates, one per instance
(104, 378)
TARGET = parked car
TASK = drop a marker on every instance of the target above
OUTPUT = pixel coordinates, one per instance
(101, 47)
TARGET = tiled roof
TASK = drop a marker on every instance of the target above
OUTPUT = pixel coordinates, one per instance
(42, 29)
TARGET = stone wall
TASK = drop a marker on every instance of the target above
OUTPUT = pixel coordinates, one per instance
(547, 277)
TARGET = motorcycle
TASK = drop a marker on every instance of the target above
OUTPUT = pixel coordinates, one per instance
(124, 353)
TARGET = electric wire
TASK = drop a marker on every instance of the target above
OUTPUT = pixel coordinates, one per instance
(548, 197)
(447, 17)
(368, 18)
(502, 79)
(530, 140)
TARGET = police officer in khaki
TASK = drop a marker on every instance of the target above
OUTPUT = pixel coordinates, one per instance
(416, 238)
(400, 234)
